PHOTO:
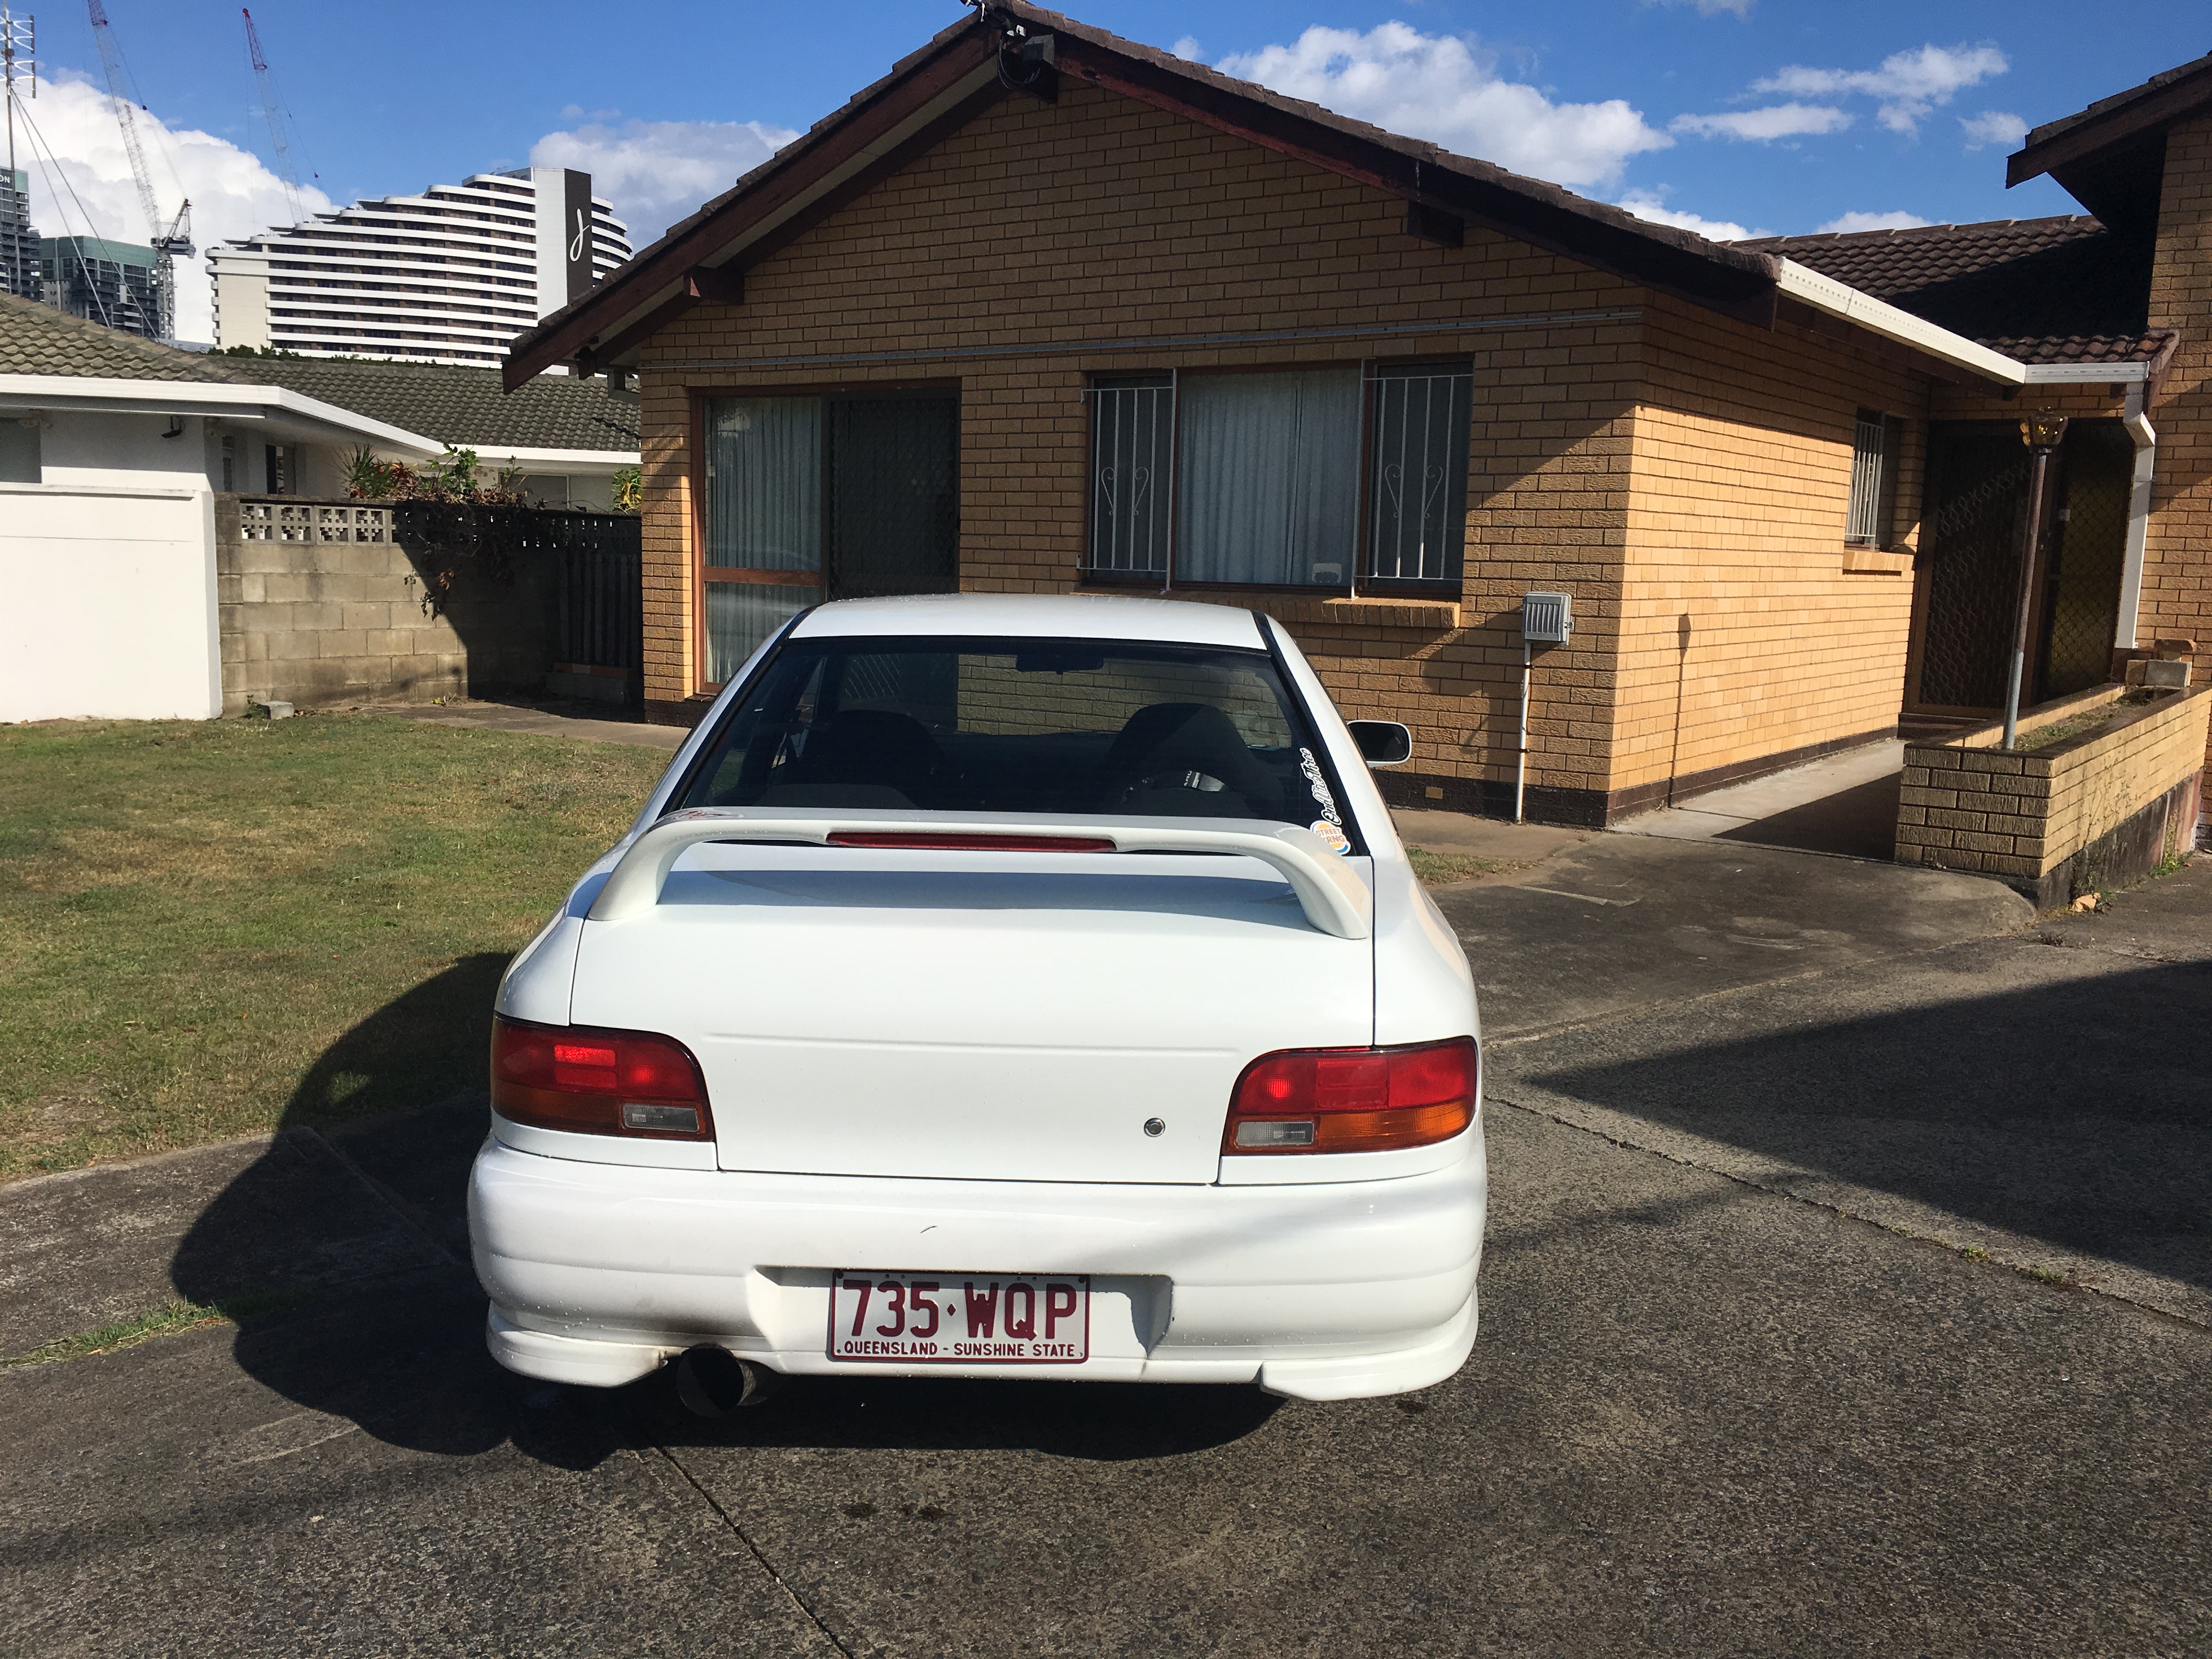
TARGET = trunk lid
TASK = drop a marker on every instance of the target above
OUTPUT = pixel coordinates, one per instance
(978, 1016)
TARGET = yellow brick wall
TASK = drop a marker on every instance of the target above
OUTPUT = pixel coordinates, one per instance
(2176, 597)
(1100, 218)
(1968, 805)
(1647, 457)
(1743, 633)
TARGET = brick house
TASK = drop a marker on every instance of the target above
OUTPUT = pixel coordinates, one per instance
(1046, 310)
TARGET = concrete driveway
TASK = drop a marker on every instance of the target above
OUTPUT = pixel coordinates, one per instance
(1775, 1138)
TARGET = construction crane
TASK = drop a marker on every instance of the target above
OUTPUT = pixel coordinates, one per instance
(176, 241)
(271, 107)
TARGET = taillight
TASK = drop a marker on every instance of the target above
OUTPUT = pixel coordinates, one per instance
(1354, 1100)
(597, 1082)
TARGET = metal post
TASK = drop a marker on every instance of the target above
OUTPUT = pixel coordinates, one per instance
(1520, 770)
(2030, 538)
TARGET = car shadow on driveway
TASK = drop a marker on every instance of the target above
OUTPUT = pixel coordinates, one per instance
(342, 1252)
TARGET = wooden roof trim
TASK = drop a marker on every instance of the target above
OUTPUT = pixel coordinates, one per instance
(2131, 117)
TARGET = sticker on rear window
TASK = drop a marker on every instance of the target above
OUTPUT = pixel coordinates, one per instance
(1329, 833)
(1319, 784)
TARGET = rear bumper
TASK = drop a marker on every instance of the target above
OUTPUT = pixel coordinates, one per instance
(597, 1273)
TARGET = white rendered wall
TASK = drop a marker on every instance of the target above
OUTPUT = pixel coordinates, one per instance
(109, 571)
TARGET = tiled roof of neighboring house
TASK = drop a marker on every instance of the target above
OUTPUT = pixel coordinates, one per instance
(463, 407)
(2043, 290)
(37, 339)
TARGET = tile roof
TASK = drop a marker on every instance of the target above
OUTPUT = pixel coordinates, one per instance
(2062, 290)
(463, 407)
(37, 339)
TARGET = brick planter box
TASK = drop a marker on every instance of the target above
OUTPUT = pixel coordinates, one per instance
(2091, 811)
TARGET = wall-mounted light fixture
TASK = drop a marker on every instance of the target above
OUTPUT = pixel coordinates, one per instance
(176, 427)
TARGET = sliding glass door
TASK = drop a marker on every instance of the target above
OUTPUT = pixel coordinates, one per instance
(815, 498)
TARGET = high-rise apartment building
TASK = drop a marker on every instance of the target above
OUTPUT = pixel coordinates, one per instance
(447, 276)
(116, 283)
(19, 243)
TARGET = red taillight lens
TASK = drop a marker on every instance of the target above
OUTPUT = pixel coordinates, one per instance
(597, 1082)
(1354, 1100)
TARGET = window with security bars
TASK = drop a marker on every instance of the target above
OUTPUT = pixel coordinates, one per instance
(1417, 511)
(1876, 440)
(1255, 479)
(1132, 471)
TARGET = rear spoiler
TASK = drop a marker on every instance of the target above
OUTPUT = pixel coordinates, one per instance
(1335, 901)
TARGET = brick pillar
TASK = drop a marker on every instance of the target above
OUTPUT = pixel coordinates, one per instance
(2177, 595)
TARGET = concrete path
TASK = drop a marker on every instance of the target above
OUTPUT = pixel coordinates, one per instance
(1732, 1395)
(539, 722)
(1845, 804)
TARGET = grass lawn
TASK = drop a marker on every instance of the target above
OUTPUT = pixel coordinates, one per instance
(208, 928)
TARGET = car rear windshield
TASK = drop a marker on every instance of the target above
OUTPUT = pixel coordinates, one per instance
(1020, 725)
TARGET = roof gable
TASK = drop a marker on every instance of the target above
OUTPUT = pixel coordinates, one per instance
(934, 91)
(2110, 157)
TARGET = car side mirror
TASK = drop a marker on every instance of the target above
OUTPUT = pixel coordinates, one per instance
(1383, 743)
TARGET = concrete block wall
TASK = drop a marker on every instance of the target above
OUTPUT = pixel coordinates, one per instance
(316, 622)
(2024, 815)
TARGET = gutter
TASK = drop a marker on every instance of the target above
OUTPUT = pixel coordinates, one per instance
(1808, 287)
(214, 400)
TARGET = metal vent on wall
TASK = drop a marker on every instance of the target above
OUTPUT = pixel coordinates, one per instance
(1547, 618)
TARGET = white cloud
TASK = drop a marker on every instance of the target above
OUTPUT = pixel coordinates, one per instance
(1907, 85)
(1994, 126)
(1709, 7)
(1439, 88)
(1646, 204)
(1187, 47)
(232, 194)
(1851, 222)
(1765, 125)
(657, 171)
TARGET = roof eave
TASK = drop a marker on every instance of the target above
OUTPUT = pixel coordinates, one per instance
(1825, 294)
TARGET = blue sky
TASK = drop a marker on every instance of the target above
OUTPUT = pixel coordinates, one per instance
(1777, 116)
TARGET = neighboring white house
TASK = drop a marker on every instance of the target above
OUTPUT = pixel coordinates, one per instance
(112, 449)
(449, 275)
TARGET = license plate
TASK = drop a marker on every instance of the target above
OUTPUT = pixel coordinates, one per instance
(960, 1319)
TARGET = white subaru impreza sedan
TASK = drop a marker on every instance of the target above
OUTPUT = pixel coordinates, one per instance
(997, 986)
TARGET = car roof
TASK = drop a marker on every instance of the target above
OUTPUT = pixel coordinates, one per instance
(1038, 615)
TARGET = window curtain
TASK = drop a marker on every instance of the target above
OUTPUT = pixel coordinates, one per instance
(1268, 478)
(764, 482)
(763, 513)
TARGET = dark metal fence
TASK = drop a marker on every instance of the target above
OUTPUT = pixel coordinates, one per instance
(587, 567)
